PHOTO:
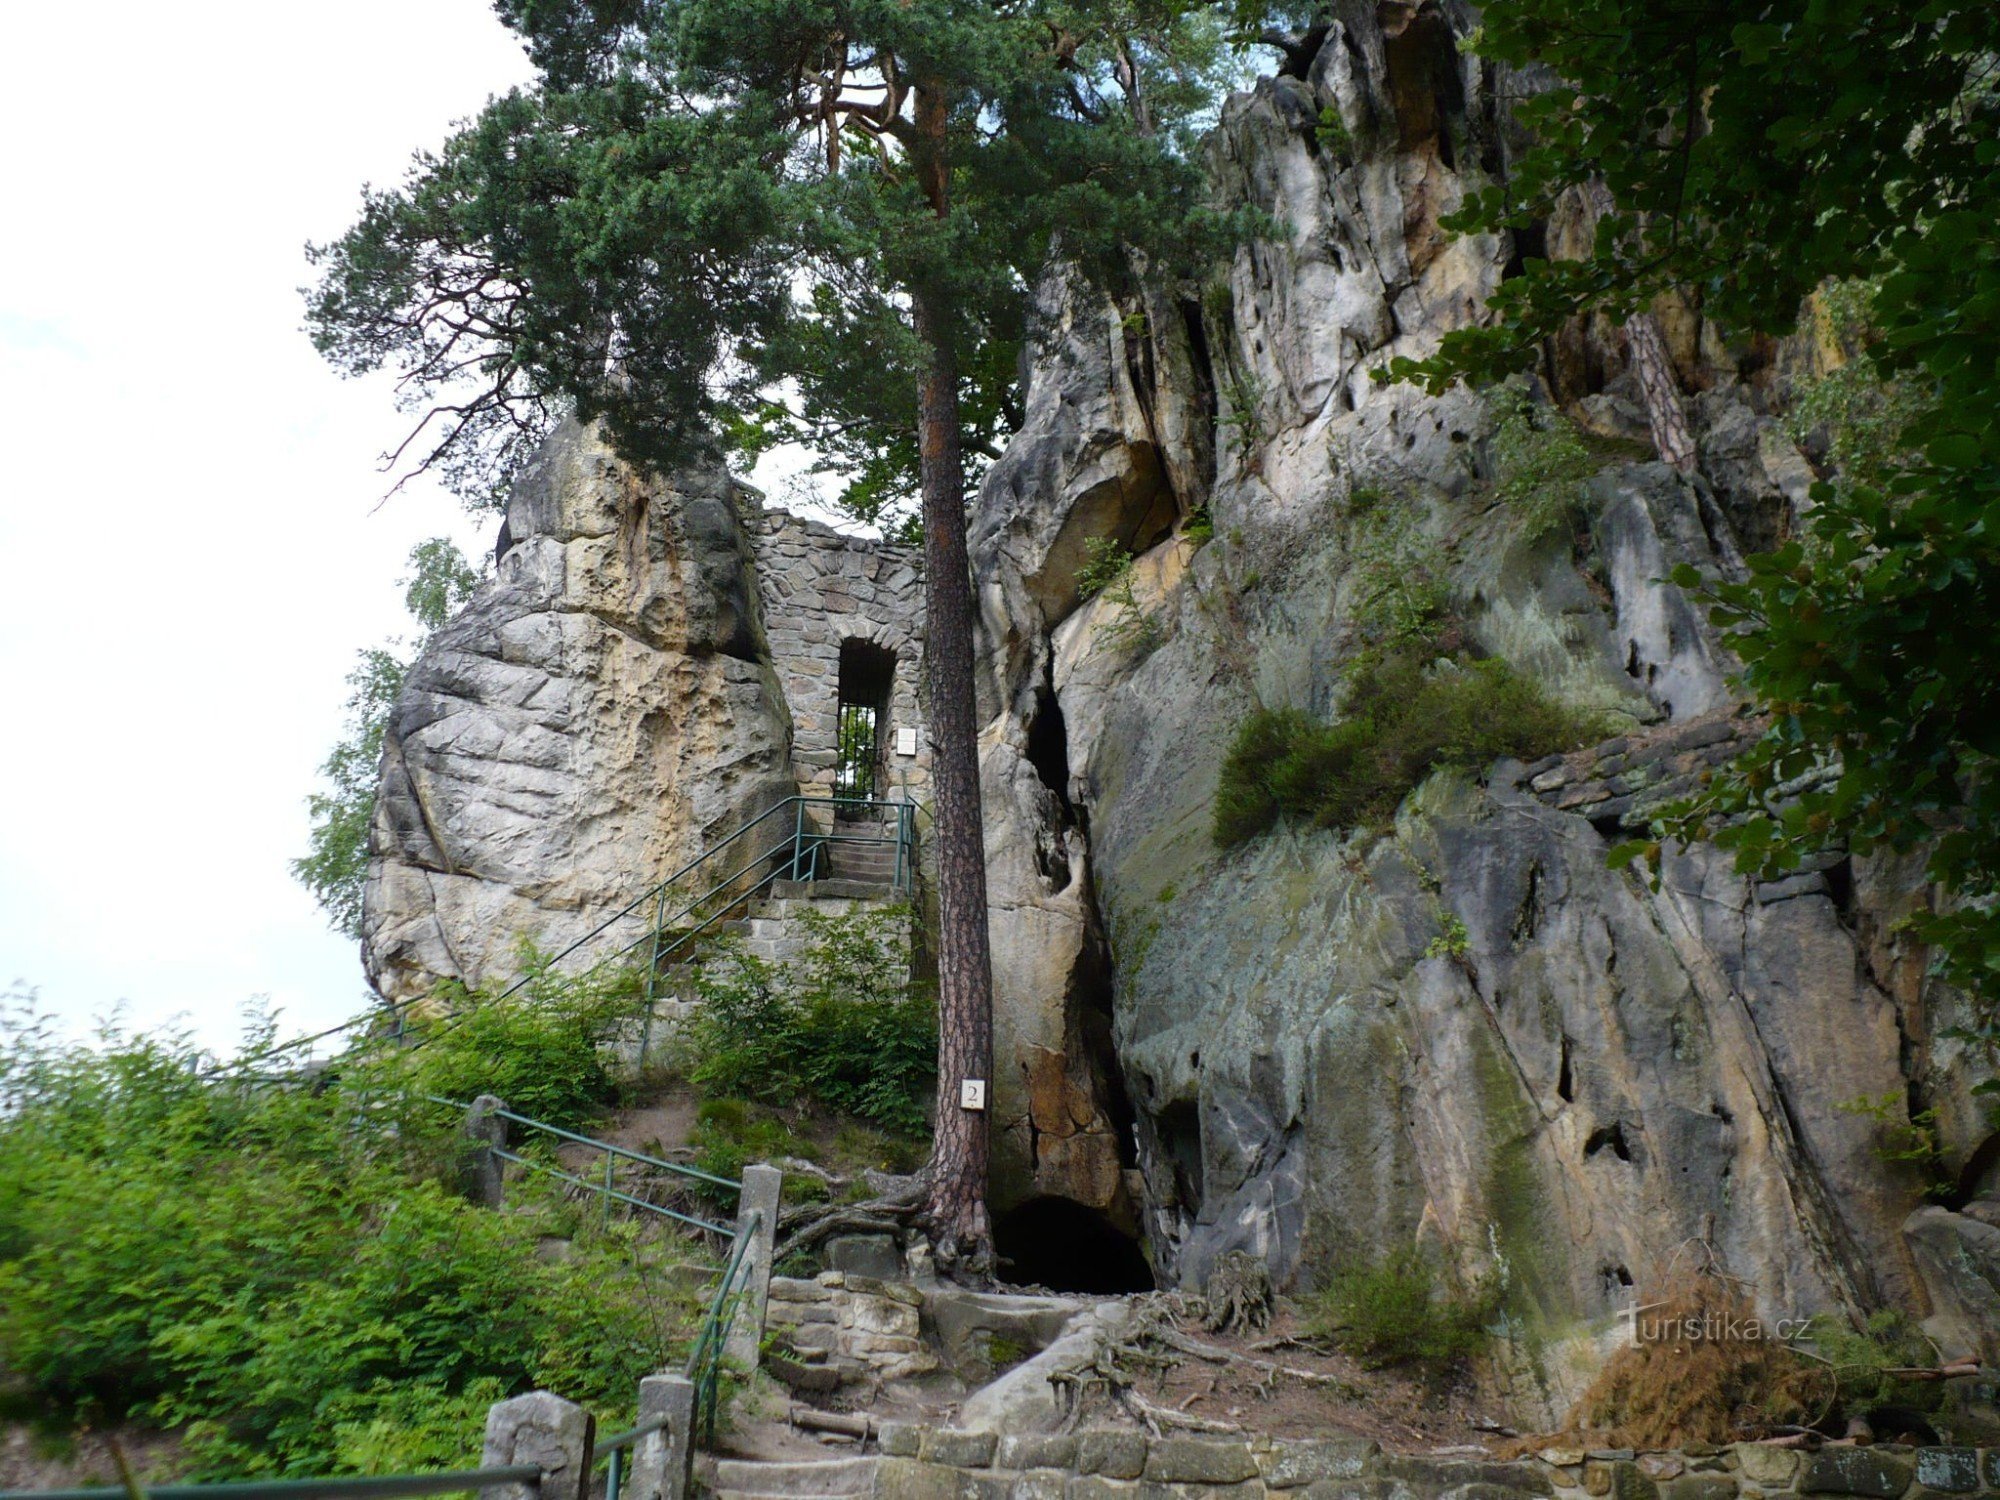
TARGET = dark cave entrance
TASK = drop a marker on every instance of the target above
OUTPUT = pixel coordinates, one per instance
(1062, 1245)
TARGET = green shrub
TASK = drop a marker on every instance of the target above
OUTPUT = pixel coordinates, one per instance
(1863, 1358)
(841, 1025)
(1401, 720)
(540, 1050)
(1402, 1311)
(1542, 462)
(284, 1270)
(1106, 564)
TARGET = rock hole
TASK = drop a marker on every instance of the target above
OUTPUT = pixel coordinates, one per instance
(1610, 1136)
(1178, 1127)
(1839, 878)
(1063, 1245)
(1048, 748)
(1614, 1279)
(1566, 1076)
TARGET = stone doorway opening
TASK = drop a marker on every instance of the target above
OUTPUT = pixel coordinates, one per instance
(1062, 1245)
(867, 672)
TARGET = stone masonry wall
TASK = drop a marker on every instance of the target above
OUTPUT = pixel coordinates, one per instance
(848, 1328)
(820, 587)
(1095, 1464)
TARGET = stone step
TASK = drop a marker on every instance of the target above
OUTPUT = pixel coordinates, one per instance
(824, 890)
(760, 1477)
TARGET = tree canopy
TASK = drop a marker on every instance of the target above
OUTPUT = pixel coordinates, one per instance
(1757, 155)
(703, 222)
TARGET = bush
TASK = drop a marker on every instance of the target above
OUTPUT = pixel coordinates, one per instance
(1401, 721)
(539, 1050)
(842, 1025)
(283, 1269)
(1542, 463)
(1402, 1311)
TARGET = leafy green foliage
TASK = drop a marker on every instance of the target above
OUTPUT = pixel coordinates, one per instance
(1402, 1310)
(1107, 563)
(732, 202)
(1401, 720)
(841, 1024)
(1542, 465)
(1905, 1138)
(1403, 596)
(540, 1049)
(1107, 571)
(286, 1270)
(1750, 163)
(1862, 1359)
(337, 865)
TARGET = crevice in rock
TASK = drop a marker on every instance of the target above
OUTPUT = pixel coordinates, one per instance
(1060, 1244)
(1177, 1127)
(1203, 370)
(1983, 1161)
(1089, 1006)
(1566, 1074)
(1608, 1137)
(1048, 748)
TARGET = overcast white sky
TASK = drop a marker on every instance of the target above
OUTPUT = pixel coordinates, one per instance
(191, 548)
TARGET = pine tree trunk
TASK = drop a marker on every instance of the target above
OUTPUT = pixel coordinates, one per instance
(956, 1207)
(1664, 413)
(1659, 387)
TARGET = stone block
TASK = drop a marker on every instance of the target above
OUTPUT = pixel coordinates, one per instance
(1854, 1471)
(1702, 1487)
(913, 1479)
(1953, 1470)
(865, 1255)
(1561, 1458)
(1036, 1450)
(1154, 1489)
(1097, 1487)
(1763, 1464)
(1040, 1484)
(1597, 1479)
(880, 1315)
(1114, 1452)
(1290, 1464)
(1191, 1460)
(1660, 1465)
(968, 1450)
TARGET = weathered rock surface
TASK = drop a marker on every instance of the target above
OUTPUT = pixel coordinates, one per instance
(603, 705)
(1466, 1031)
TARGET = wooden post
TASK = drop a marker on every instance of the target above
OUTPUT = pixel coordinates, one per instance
(761, 1187)
(663, 1461)
(486, 1172)
(542, 1429)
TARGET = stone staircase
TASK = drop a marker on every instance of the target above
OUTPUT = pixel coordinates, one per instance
(767, 1479)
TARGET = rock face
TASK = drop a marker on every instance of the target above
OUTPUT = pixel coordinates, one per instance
(610, 704)
(1465, 1030)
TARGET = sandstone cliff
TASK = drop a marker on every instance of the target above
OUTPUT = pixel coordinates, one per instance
(1463, 1030)
(1467, 1030)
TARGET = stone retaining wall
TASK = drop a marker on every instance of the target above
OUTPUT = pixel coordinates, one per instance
(936, 1464)
(1619, 783)
(840, 1328)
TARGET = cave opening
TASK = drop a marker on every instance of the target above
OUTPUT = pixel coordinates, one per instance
(1048, 748)
(1067, 1247)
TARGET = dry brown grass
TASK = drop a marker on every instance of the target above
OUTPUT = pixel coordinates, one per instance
(1670, 1391)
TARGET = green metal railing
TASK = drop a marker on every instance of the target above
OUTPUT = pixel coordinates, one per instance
(704, 1366)
(798, 856)
(607, 1190)
(614, 1448)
